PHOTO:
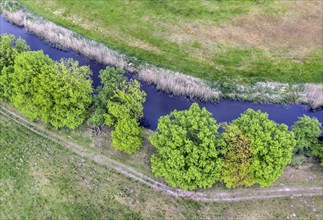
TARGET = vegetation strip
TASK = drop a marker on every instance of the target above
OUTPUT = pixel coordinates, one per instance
(128, 171)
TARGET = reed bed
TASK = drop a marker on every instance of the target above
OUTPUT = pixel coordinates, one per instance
(314, 94)
(178, 83)
(63, 38)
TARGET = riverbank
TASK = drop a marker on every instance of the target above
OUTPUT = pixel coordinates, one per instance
(166, 80)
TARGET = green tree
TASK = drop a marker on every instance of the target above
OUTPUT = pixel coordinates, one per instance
(10, 47)
(237, 166)
(306, 130)
(70, 89)
(57, 93)
(189, 149)
(126, 102)
(29, 88)
(127, 136)
(111, 78)
(271, 145)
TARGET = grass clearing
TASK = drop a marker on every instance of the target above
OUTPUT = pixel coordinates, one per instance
(262, 41)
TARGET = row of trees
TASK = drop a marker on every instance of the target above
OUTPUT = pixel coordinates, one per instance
(61, 93)
(57, 93)
(190, 153)
(251, 150)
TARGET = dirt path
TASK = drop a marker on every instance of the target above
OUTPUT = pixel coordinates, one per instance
(220, 195)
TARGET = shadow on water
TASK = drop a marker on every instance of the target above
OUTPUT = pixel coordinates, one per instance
(159, 103)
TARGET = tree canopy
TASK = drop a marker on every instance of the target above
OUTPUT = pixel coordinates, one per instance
(111, 78)
(189, 149)
(126, 102)
(307, 130)
(271, 145)
(127, 135)
(57, 93)
(237, 166)
(10, 47)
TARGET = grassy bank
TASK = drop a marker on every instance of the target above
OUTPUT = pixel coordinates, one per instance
(42, 179)
(254, 40)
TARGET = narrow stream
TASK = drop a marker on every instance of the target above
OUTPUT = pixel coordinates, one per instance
(159, 103)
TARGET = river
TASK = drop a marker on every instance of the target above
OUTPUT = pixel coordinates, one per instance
(159, 103)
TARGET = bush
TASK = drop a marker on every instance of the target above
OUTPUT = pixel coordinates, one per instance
(189, 149)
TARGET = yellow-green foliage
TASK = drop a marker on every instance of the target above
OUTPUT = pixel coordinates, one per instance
(9, 50)
(126, 102)
(236, 170)
(57, 93)
(127, 135)
(271, 145)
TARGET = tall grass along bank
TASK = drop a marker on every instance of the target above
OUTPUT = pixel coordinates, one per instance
(166, 80)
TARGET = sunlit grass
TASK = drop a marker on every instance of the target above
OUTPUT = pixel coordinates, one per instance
(174, 35)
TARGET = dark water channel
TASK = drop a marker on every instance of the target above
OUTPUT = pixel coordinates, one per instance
(159, 103)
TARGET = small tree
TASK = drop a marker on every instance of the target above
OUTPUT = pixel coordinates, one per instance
(306, 130)
(111, 78)
(127, 102)
(189, 149)
(271, 145)
(237, 166)
(127, 136)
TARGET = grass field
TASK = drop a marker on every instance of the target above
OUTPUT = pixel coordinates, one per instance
(42, 179)
(272, 40)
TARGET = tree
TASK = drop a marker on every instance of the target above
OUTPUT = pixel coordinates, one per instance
(127, 136)
(237, 166)
(57, 93)
(71, 93)
(111, 78)
(31, 70)
(126, 102)
(189, 149)
(9, 49)
(271, 145)
(306, 130)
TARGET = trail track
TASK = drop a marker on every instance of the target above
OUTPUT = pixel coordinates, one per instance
(220, 195)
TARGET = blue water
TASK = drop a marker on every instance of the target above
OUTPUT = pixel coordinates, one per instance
(159, 103)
